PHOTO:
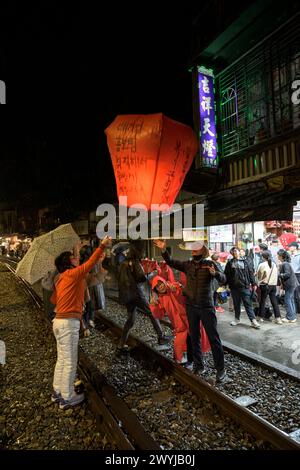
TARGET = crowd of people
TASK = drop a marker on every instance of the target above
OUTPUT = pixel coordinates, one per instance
(190, 301)
(267, 278)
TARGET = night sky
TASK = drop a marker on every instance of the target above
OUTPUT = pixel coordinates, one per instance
(69, 71)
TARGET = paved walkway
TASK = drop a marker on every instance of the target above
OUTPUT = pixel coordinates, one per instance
(275, 343)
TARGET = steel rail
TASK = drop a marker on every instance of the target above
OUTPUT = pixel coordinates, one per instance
(247, 419)
(111, 412)
(283, 371)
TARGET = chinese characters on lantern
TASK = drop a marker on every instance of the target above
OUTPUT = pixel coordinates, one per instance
(208, 140)
(151, 155)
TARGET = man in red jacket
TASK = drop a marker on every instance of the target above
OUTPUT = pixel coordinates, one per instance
(68, 297)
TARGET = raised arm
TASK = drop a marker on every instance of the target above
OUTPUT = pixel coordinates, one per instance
(220, 276)
(216, 272)
(81, 271)
(176, 264)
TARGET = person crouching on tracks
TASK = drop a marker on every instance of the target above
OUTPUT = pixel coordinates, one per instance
(168, 300)
(68, 297)
(200, 274)
(130, 280)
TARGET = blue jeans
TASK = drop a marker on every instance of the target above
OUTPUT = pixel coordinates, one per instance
(289, 303)
(242, 294)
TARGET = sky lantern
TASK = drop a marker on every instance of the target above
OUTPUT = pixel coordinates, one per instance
(151, 155)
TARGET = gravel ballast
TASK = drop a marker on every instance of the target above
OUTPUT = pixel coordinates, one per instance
(28, 419)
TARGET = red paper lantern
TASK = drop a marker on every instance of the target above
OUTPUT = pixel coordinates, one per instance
(151, 155)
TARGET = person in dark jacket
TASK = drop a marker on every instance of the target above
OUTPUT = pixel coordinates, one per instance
(200, 274)
(130, 280)
(215, 259)
(295, 262)
(289, 284)
(240, 278)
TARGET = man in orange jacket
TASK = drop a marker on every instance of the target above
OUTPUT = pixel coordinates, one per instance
(68, 297)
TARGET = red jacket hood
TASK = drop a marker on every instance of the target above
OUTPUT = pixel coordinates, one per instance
(155, 281)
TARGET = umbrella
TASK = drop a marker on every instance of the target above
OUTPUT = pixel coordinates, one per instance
(223, 255)
(40, 257)
(287, 238)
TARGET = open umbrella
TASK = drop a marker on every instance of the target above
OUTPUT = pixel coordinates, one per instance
(287, 238)
(40, 257)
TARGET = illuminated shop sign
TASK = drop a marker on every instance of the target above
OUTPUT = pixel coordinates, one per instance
(208, 140)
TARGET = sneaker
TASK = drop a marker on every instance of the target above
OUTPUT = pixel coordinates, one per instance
(92, 323)
(292, 321)
(122, 350)
(74, 401)
(286, 320)
(219, 309)
(278, 321)
(183, 359)
(261, 320)
(220, 376)
(235, 322)
(56, 397)
(255, 324)
(86, 333)
(78, 386)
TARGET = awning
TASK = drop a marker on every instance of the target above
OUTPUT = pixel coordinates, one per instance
(252, 215)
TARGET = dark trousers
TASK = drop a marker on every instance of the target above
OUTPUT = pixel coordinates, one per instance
(141, 304)
(48, 306)
(216, 299)
(209, 320)
(266, 291)
(297, 295)
(89, 313)
(242, 294)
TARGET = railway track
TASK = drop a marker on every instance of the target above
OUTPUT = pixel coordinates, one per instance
(272, 366)
(103, 394)
(111, 412)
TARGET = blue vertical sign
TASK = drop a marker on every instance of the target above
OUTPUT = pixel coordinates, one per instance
(208, 136)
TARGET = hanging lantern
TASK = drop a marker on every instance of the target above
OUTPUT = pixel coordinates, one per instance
(151, 155)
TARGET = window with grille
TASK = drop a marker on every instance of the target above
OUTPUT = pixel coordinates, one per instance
(255, 92)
